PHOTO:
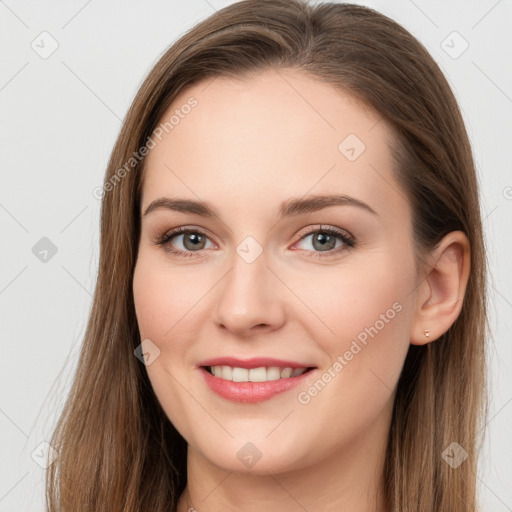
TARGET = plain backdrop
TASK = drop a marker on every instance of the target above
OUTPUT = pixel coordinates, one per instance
(68, 73)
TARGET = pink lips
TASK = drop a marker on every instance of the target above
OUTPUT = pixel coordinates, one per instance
(251, 392)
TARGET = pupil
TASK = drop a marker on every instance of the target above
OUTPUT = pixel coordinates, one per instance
(324, 241)
(192, 238)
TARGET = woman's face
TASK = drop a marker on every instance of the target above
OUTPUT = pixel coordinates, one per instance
(263, 279)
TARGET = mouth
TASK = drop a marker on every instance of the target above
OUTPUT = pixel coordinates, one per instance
(252, 385)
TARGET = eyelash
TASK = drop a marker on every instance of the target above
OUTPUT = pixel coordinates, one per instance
(348, 241)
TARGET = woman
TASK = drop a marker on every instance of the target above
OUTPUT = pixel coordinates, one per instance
(324, 349)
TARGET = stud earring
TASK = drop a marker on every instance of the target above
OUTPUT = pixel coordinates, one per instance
(427, 333)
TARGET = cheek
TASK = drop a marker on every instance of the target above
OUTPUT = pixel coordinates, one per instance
(348, 300)
(362, 318)
(151, 298)
(164, 316)
(365, 318)
(162, 299)
(170, 312)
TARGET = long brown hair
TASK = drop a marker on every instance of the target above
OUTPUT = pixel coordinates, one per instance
(116, 448)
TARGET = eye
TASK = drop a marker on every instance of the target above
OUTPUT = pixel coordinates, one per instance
(193, 240)
(324, 241)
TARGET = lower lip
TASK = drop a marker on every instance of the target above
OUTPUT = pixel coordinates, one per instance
(251, 392)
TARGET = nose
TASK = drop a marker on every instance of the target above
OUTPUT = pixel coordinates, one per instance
(250, 298)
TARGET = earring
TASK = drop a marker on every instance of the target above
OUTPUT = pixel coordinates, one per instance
(427, 333)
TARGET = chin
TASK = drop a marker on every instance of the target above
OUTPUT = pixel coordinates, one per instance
(258, 457)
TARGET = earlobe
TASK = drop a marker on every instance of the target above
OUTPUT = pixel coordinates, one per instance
(441, 293)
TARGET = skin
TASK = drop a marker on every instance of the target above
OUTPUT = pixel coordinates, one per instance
(327, 454)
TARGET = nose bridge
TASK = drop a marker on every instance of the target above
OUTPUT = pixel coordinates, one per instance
(250, 294)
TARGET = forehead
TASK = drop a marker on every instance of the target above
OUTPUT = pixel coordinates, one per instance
(280, 132)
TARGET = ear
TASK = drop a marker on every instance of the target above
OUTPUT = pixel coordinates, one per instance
(441, 293)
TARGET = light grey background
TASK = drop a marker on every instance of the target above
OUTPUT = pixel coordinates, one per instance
(60, 116)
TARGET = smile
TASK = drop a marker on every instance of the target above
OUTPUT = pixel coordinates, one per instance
(268, 382)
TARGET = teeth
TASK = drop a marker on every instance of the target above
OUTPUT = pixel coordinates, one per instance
(287, 372)
(240, 374)
(261, 374)
(273, 373)
(257, 375)
(227, 373)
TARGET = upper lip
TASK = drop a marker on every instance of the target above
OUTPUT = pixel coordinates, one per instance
(255, 362)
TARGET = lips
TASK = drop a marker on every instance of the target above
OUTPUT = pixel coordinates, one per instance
(249, 391)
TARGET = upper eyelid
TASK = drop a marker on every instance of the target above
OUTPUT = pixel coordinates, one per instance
(325, 228)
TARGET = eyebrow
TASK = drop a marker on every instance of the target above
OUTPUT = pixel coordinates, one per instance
(290, 207)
